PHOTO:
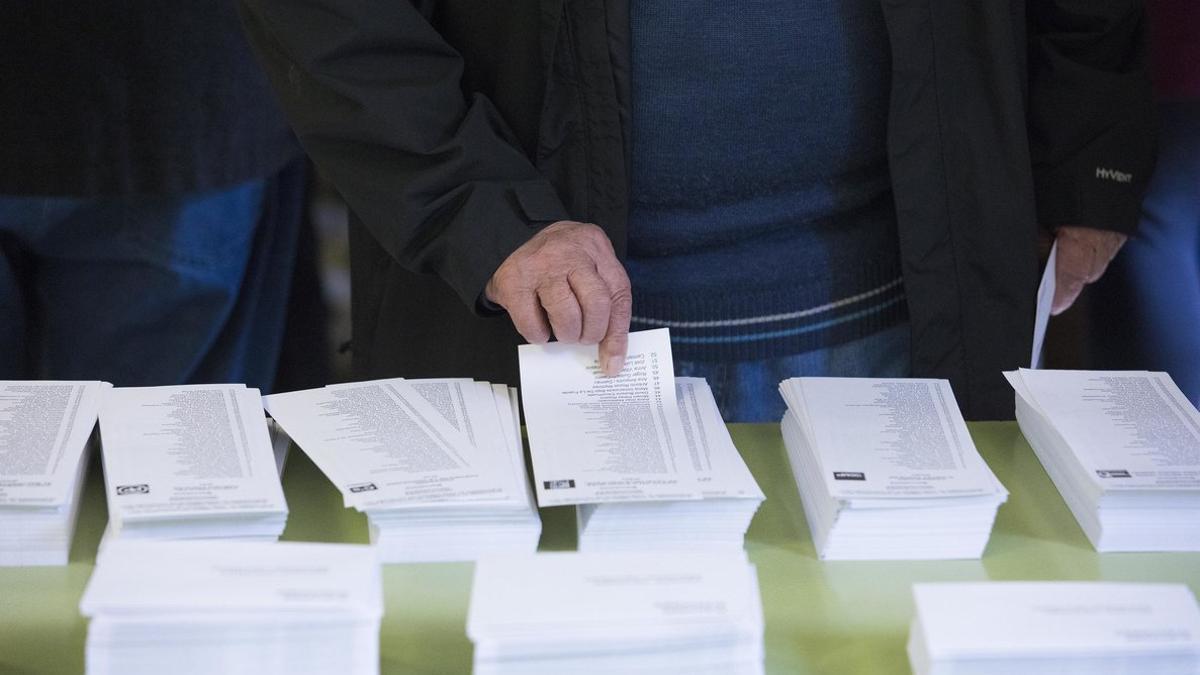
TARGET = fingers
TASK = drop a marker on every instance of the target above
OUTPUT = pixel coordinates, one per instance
(1083, 256)
(616, 340)
(566, 317)
(1071, 272)
(1065, 295)
(616, 337)
(567, 282)
(594, 299)
(528, 318)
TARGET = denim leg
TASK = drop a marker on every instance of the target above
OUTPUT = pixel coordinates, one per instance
(716, 373)
(749, 391)
(249, 347)
(22, 218)
(884, 354)
(137, 291)
(1147, 306)
(14, 357)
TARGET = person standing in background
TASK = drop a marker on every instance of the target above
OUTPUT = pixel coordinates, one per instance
(842, 187)
(1146, 310)
(150, 195)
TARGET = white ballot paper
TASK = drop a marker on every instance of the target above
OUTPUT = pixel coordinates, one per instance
(1123, 448)
(437, 465)
(233, 607)
(1054, 627)
(890, 438)
(1045, 300)
(886, 469)
(720, 469)
(597, 439)
(45, 427)
(719, 520)
(190, 461)
(616, 612)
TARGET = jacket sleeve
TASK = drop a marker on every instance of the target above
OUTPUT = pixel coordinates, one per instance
(1091, 113)
(374, 94)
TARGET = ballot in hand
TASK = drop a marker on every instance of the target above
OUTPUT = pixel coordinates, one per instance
(566, 282)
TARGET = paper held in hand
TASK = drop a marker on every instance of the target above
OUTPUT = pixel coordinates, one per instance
(1045, 302)
(645, 455)
(1123, 449)
(436, 465)
(1044, 628)
(597, 439)
(886, 469)
(45, 429)
(187, 462)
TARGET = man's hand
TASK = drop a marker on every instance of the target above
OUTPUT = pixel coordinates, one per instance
(1083, 255)
(567, 279)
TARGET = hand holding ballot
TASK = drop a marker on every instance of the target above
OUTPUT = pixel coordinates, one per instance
(567, 281)
(601, 439)
(645, 455)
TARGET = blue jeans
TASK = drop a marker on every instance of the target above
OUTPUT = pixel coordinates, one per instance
(1146, 308)
(148, 290)
(748, 391)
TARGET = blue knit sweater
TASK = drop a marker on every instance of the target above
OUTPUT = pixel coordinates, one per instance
(762, 221)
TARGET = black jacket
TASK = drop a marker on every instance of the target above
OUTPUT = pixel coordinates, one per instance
(456, 128)
(121, 97)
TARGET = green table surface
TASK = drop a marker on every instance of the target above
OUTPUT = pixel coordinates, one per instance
(832, 617)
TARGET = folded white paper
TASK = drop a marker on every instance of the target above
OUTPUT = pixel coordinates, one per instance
(1045, 302)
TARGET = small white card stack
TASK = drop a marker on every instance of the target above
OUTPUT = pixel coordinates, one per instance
(1045, 628)
(1123, 449)
(235, 608)
(437, 465)
(886, 469)
(646, 456)
(44, 432)
(616, 613)
(189, 462)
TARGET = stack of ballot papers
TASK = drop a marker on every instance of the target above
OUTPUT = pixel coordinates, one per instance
(188, 462)
(1049, 628)
(45, 429)
(646, 456)
(233, 607)
(437, 465)
(584, 613)
(729, 495)
(886, 469)
(1123, 449)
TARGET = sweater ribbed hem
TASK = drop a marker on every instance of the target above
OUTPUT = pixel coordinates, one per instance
(763, 324)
